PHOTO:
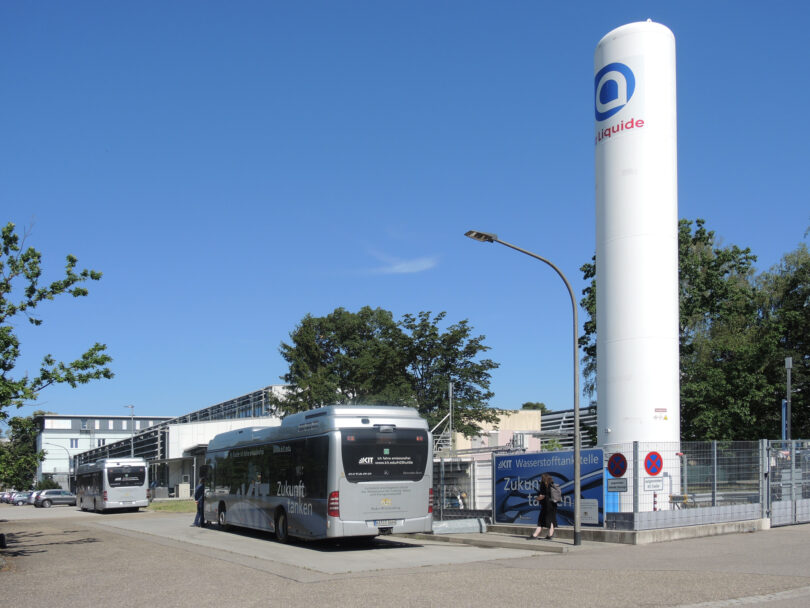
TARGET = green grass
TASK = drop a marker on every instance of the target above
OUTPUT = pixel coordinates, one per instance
(173, 506)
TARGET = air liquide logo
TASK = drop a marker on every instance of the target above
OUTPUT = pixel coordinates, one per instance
(614, 85)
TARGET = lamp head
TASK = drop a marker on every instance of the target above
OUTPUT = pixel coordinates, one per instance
(484, 237)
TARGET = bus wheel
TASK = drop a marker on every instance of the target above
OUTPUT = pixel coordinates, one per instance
(221, 519)
(282, 533)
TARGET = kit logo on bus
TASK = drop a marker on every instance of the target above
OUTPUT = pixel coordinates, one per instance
(614, 85)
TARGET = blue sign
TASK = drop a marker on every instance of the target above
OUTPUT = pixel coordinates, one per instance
(614, 85)
(517, 480)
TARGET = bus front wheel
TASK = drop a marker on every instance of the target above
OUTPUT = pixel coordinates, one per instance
(282, 532)
(221, 518)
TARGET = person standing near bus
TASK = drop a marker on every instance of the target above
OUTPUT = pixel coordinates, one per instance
(199, 498)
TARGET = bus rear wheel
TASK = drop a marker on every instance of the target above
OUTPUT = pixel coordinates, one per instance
(222, 520)
(282, 531)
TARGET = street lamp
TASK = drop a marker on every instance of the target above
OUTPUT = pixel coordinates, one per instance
(486, 237)
(788, 367)
(132, 423)
(70, 458)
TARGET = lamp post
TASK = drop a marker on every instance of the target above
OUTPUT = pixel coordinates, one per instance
(788, 367)
(70, 458)
(486, 237)
(132, 424)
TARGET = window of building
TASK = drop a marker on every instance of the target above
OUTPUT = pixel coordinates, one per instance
(74, 443)
(84, 424)
(124, 425)
(101, 442)
(138, 424)
(98, 424)
(110, 424)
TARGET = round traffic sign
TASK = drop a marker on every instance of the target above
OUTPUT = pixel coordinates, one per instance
(653, 463)
(617, 465)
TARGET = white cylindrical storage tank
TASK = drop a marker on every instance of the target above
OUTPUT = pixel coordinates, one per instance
(636, 235)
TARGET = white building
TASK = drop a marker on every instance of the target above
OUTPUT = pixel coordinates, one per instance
(63, 437)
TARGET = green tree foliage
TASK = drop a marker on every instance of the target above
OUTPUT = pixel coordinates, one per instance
(20, 294)
(535, 405)
(735, 330)
(434, 359)
(47, 484)
(368, 358)
(785, 308)
(19, 457)
(345, 357)
(721, 340)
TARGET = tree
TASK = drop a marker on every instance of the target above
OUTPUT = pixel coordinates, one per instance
(368, 358)
(19, 457)
(726, 345)
(722, 340)
(20, 294)
(46, 483)
(434, 359)
(345, 357)
(785, 307)
(535, 405)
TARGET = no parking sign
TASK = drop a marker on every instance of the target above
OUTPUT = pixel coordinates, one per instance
(653, 463)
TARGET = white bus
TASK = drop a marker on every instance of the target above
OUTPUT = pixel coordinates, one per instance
(112, 483)
(336, 471)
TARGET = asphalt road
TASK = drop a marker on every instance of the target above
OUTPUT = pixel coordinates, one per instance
(63, 557)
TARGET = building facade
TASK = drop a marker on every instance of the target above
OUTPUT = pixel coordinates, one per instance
(62, 438)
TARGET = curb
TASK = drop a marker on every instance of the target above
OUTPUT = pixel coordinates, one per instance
(489, 541)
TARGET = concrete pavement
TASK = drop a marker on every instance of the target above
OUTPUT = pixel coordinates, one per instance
(160, 558)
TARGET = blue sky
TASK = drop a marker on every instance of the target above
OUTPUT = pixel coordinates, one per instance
(231, 168)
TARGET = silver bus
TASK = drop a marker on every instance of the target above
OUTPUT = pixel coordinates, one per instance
(337, 471)
(112, 483)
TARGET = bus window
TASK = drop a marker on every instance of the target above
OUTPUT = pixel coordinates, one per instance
(119, 477)
(394, 455)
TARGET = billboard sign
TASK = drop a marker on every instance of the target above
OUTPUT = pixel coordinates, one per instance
(517, 479)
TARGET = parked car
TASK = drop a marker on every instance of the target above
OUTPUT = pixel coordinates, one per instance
(47, 498)
(21, 498)
(33, 496)
(5, 496)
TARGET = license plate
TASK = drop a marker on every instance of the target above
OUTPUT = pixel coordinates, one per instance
(385, 522)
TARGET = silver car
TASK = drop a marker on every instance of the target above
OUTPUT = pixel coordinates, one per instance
(47, 498)
(21, 498)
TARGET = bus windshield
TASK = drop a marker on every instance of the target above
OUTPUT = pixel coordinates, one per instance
(384, 454)
(119, 477)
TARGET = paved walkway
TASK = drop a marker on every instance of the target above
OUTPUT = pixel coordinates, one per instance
(161, 558)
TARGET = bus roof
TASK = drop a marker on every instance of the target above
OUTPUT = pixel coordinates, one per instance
(320, 420)
(116, 462)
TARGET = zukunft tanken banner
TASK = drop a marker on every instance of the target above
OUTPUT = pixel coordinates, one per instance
(517, 480)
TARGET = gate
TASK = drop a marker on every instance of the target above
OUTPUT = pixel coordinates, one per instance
(788, 471)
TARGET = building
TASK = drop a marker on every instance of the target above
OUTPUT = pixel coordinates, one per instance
(62, 438)
(463, 476)
(175, 447)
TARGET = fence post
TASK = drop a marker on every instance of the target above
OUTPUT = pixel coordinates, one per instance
(792, 480)
(441, 488)
(635, 483)
(764, 493)
(714, 473)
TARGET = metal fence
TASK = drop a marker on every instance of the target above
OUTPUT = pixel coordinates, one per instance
(788, 474)
(665, 484)
(452, 488)
(688, 474)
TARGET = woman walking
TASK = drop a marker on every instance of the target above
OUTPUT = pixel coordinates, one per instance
(549, 491)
